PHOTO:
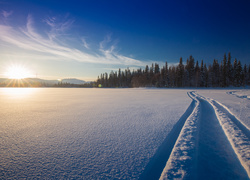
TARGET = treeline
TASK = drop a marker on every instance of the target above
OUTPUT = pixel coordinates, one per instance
(191, 74)
(86, 85)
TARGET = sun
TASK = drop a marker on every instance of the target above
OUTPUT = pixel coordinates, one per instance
(17, 72)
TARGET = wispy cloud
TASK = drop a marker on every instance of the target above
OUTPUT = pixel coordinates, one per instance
(85, 44)
(29, 39)
(4, 16)
(6, 13)
(106, 40)
(57, 27)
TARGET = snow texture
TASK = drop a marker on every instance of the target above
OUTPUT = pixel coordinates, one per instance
(181, 158)
(237, 133)
(213, 144)
(236, 100)
(70, 133)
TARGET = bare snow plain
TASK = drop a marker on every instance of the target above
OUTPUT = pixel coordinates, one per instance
(71, 133)
(84, 133)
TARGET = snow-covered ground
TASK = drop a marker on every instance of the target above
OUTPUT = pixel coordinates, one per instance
(84, 133)
(213, 143)
(236, 100)
(124, 133)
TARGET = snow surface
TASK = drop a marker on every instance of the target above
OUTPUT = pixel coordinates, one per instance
(237, 134)
(124, 133)
(183, 154)
(236, 100)
(213, 144)
(84, 133)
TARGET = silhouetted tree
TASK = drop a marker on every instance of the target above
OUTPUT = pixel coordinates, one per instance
(190, 75)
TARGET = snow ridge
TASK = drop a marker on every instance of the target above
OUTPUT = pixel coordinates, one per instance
(182, 155)
(237, 133)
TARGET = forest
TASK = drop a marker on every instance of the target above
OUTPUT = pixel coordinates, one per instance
(190, 74)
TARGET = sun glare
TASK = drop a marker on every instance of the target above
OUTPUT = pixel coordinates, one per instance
(17, 72)
(18, 93)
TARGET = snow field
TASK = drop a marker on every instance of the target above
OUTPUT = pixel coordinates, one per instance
(115, 133)
(84, 133)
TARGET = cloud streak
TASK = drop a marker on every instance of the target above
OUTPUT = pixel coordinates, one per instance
(6, 13)
(28, 39)
(85, 44)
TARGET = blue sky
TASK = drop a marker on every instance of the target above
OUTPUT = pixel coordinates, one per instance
(81, 39)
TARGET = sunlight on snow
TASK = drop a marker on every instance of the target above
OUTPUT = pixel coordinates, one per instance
(18, 92)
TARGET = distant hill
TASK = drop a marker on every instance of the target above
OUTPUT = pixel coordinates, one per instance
(37, 82)
(73, 81)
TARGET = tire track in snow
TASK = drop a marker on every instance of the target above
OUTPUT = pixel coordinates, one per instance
(237, 133)
(157, 163)
(181, 160)
(203, 149)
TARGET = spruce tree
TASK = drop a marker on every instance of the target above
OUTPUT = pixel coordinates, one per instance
(224, 71)
(166, 75)
(245, 75)
(235, 72)
(202, 82)
(248, 76)
(239, 74)
(205, 75)
(229, 70)
(180, 74)
(197, 74)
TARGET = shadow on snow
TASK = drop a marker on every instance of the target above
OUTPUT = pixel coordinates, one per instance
(157, 163)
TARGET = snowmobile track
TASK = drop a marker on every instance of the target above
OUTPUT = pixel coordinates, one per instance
(157, 163)
(213, 144)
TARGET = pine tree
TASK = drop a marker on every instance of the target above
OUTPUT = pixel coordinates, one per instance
(190, 71)
(106, 80)
(245, 75)
(166, 75)
(156, 78)
(119, 78)
(248, 76)
(162, 78)
(239, 74)
(216, 74)
(157, 69)
(197, 74)
(202, 82)
(235, 72)
(205, 76)
(224, 71)
(229, 70)
(180, 74)
(210, 75)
